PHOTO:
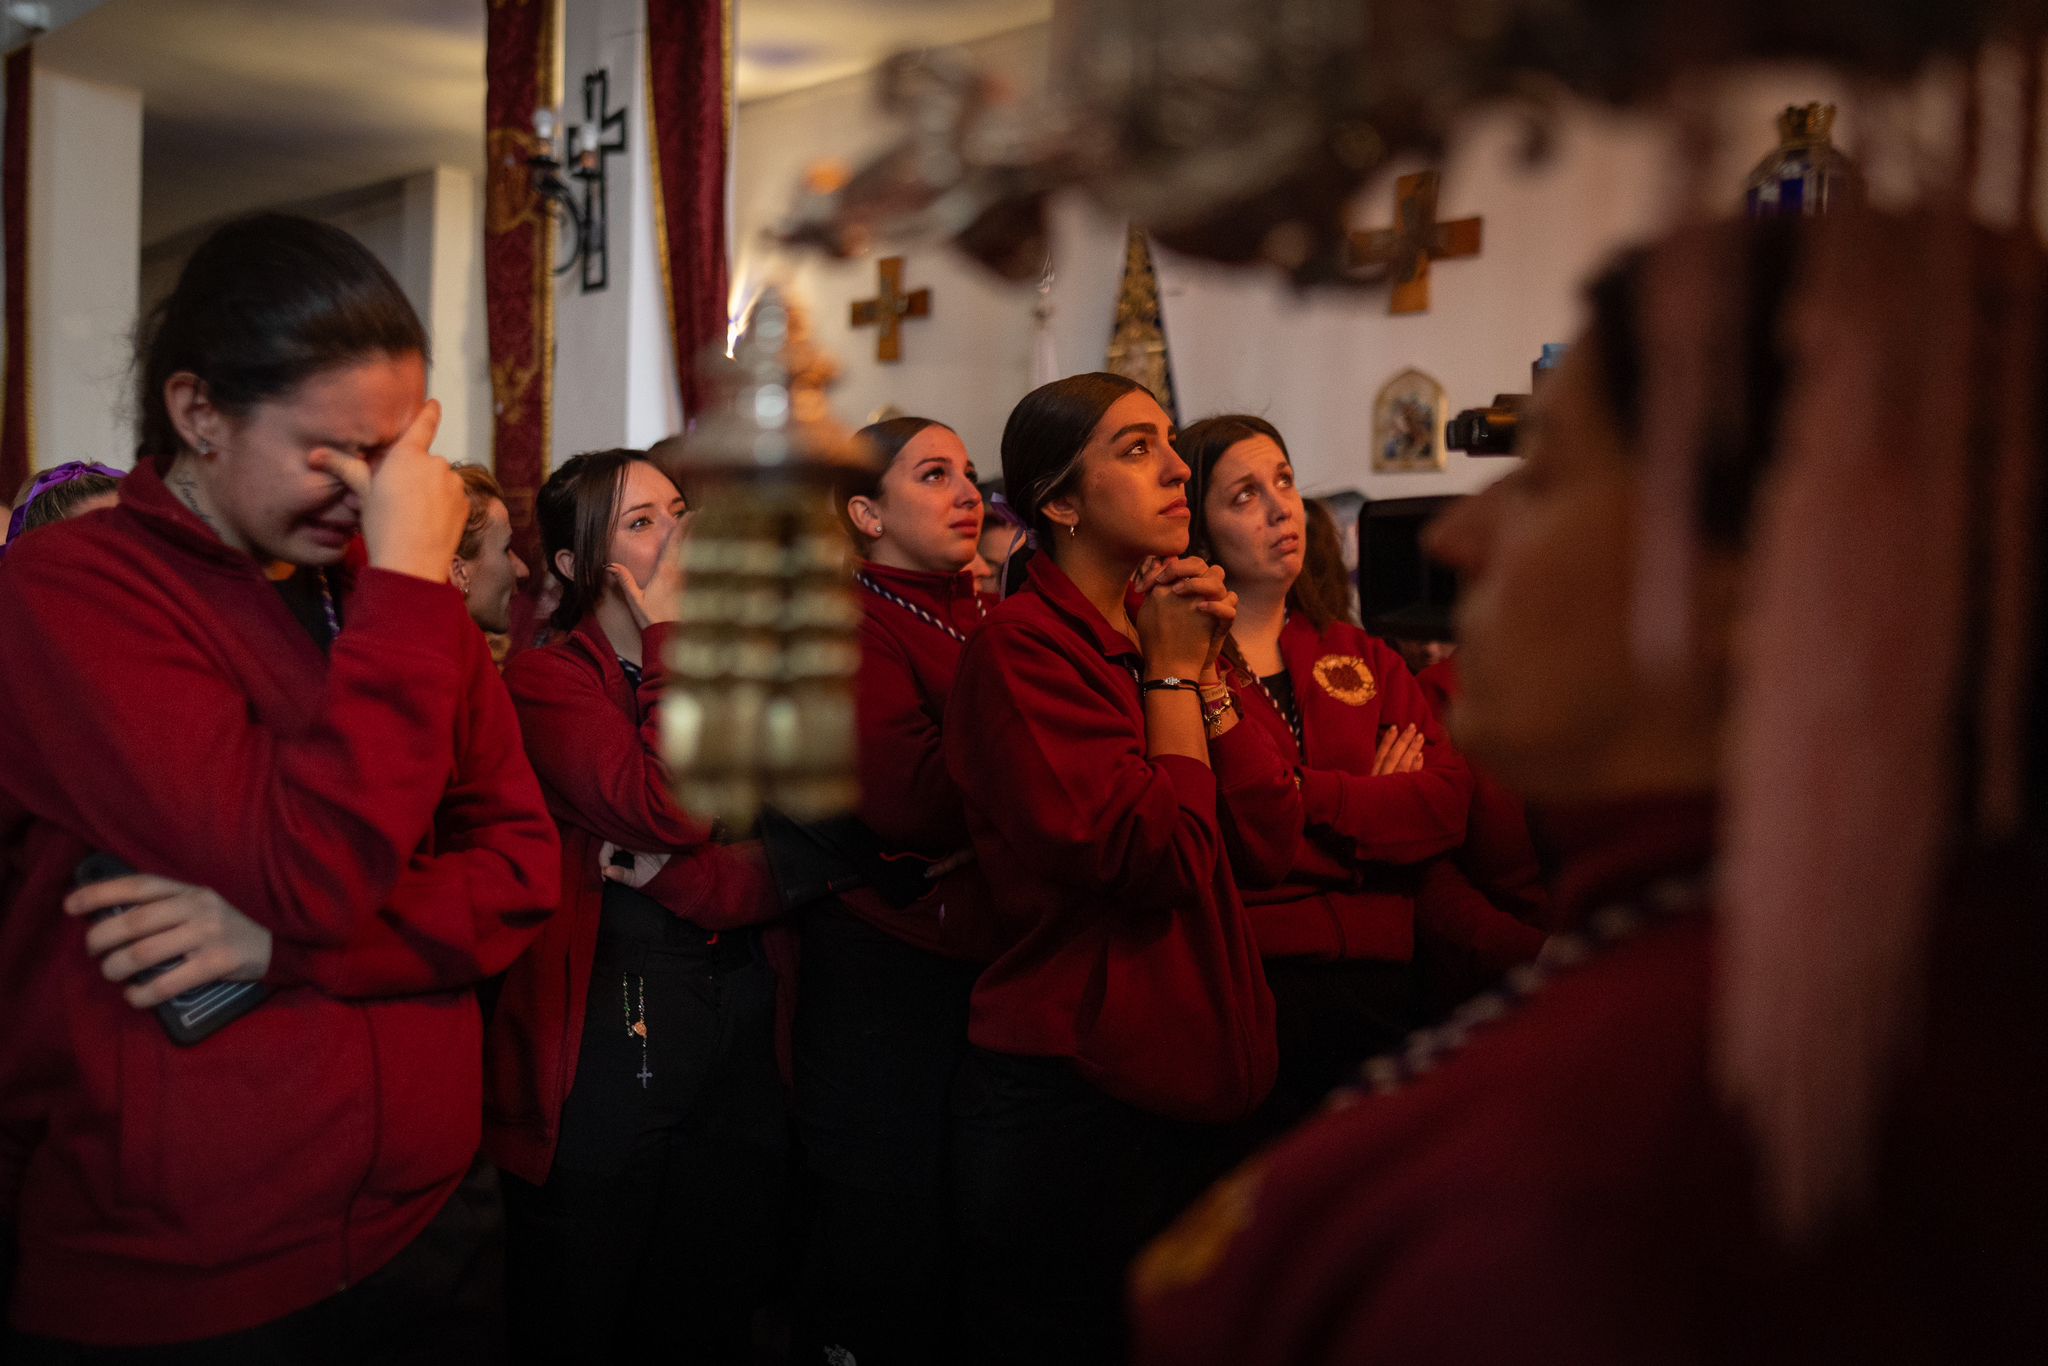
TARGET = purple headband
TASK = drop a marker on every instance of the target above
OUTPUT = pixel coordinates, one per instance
(49, 479)
(999, 507)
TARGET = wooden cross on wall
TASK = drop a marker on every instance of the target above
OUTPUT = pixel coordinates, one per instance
(890, 307)
(1402, 253)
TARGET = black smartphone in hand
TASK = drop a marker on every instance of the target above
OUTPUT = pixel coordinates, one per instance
(191, 1015)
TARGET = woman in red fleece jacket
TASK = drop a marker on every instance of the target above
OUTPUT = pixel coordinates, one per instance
(191, 685)
(634, 1098)
(1372, 794)
(1125, 1021)
(881, 1020)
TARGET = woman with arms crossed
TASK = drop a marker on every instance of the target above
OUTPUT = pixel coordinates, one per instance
(195, 685)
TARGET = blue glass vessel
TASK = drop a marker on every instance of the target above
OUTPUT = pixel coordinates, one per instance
(1807, 174)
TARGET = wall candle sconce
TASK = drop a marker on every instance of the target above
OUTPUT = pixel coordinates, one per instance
(589, 143)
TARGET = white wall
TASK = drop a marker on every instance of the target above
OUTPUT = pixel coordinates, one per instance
(615, 378)
(440, 265)
(1244, 340)
(84, 227)
(1314, 363)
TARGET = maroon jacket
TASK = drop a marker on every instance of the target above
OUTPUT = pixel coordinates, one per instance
(1563, 1188)
(1337, 866)
(370, 806)
(1573, 1187)
(1125, 946)
(907, 798)
(1498, 855)
(596, 744)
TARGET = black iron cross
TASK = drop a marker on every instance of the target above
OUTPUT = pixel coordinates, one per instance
(602, 133)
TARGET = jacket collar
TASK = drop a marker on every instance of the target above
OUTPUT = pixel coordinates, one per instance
(936, 591)
(588, 637)
(1301, 645)
(1061, 593)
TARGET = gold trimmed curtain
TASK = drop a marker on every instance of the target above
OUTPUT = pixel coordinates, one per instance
(519, 286)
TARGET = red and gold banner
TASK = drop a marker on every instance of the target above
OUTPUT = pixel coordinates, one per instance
(519, 250)
(689, 106)
(17, 418)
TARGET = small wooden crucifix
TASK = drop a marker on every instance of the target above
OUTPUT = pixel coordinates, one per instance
(1402, 254)
(890, 307)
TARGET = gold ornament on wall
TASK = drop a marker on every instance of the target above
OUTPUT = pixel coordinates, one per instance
(1137, 342)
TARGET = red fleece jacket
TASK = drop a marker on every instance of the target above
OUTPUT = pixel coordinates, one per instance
(907, 798)
(369, 806)
(1567, 1186)
(1339, 859)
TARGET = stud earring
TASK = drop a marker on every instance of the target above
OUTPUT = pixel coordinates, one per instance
(205, 446)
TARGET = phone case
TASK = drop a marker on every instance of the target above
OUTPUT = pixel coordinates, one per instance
(191, 1015)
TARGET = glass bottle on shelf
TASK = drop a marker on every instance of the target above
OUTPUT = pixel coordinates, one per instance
(1807, 174)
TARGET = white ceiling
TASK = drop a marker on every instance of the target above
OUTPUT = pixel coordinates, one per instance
(252, 102)
(786, 45)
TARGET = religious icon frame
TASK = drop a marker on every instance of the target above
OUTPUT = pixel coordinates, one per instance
(1408, 417)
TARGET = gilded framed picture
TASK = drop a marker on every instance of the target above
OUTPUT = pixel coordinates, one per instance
(1408, 425)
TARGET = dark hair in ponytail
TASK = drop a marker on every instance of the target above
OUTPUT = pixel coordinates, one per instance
(886, 439)
(1043, 440)
(265, 303)
(575, 509)
(889, 436)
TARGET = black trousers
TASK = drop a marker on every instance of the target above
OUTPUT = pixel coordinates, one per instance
(1057, 1187)
(659, 1230)
(438, 1301)
(881, 1028)
(1329, 1017)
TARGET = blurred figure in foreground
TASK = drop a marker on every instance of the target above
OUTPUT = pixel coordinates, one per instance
(1774, 1104)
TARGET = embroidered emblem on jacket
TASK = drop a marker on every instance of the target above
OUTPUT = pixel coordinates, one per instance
(1346, 678)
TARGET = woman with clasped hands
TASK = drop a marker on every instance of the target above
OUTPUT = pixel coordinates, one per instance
(1125, 1024)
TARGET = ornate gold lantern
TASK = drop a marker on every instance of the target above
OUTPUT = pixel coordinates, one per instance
(759, 708)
